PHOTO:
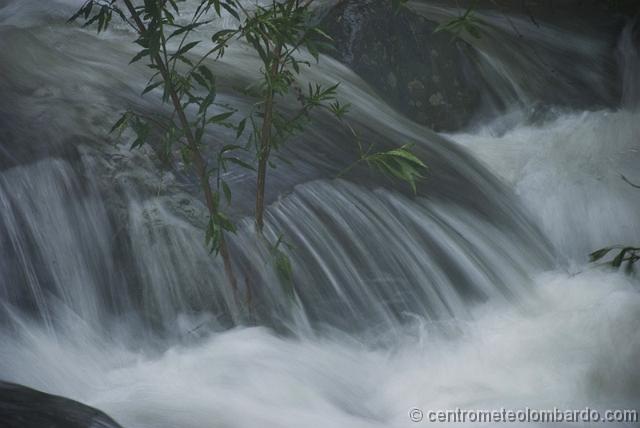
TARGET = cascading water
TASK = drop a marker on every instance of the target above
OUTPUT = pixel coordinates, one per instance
(456, 297)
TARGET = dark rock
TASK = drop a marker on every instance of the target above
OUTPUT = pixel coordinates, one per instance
(446, 84)
(594, 11)
(424, 75)
(22, 407)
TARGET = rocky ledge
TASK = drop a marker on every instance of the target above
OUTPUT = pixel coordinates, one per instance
(22, 407)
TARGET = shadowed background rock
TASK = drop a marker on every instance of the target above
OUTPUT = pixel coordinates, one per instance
(424, 75)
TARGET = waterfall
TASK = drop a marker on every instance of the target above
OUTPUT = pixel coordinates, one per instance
(473, 292)
(530, 59)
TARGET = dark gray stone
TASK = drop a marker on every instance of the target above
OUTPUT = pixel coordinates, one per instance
(424, 75)
(22, 407)
(439, 81)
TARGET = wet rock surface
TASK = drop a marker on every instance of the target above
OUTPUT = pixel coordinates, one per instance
(22, 407)
(444, 83)
(425, 75)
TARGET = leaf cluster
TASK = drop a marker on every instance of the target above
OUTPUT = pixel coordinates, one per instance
(626, 256)
(467, 22)
(398, 163)
(176, 53)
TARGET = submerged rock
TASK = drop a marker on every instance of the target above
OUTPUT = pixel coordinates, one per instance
(22, 407)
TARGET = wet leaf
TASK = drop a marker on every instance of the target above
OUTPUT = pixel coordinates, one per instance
(599, 254)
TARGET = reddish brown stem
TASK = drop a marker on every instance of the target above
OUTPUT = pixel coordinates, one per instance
(265, 144)
(199, 163)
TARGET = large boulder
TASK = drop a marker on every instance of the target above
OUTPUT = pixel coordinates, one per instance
(444, 82)
(423, 74)
(22, 407)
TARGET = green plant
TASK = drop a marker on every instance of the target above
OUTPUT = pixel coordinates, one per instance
(279, 33)
(397, 163)
(625, 255)
(282, 264)
(184, 83)
(467, 22)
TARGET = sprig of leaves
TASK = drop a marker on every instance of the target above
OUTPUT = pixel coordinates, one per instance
(282, 264)
(467, 22)
(398, 163)
(628, 255)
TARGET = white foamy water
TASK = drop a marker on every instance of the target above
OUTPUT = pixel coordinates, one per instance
(569, 174)
(451, 299)
(577, 346)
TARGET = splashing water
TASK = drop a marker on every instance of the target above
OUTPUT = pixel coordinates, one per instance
(459, 297)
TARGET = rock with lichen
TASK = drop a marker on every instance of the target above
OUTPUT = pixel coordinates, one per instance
(423, 74)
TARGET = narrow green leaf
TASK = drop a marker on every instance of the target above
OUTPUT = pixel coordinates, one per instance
(220, 117)
(152, 87)
(139, 55)
(186, 48)
(241, 127)
(120, 123)
(599, 254)
(240, 163)
(226, 190)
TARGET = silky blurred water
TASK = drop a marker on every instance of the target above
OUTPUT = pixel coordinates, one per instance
(473, 293)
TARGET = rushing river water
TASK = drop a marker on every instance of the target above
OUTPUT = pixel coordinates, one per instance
(475, 294)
